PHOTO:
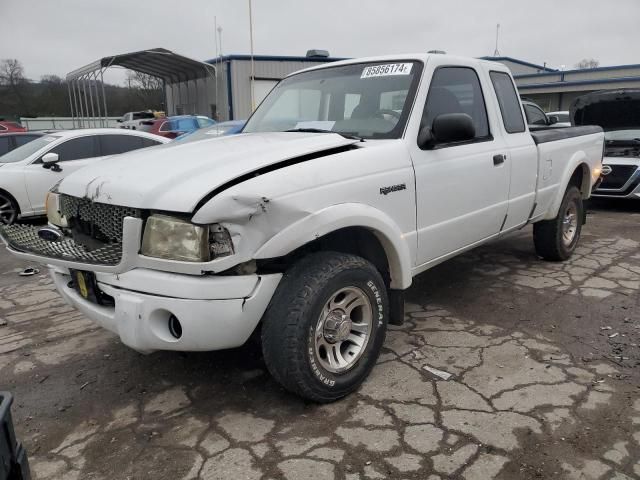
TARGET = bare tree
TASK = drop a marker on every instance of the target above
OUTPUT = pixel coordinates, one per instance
(147, 88)
(12, 77)
(587, 63)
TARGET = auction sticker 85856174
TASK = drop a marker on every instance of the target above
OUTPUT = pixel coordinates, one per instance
(388, 69)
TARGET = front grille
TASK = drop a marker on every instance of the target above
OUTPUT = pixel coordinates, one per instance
(100, 221)
(24, 238)
(94, 233)
(619, 175)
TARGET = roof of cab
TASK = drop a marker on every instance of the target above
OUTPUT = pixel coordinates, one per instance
(422, 57)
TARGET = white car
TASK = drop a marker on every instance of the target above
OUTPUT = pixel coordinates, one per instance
(349, 179)
(561, 118)
(135, 120)
(28, 172)
(618, 113)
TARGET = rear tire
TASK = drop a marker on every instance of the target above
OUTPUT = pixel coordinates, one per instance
(556, 239)
(326, 323)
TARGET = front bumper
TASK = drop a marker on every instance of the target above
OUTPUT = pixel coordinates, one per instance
(215, 312)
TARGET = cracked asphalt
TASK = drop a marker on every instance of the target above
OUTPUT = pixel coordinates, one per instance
(544, 381)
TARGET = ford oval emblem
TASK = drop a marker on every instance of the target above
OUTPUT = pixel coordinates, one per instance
(50, 234)
(606, 170)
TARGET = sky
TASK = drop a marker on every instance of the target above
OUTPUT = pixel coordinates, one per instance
(57, 36)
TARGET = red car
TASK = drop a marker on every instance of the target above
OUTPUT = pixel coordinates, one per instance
(10, 127)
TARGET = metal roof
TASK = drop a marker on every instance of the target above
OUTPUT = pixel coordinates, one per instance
(158, 62)
(273, 58)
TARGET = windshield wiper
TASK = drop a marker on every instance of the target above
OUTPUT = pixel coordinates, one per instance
(322, 130)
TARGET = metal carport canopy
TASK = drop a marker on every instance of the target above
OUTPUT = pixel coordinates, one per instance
(158, 62)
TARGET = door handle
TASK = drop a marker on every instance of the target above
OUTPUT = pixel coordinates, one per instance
(499, 159)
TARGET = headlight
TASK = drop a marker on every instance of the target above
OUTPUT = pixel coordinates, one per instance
(177, 239)
(52, 206)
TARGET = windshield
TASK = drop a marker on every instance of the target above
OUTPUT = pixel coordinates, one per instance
(27, 149)
(369, 100)
(617, 135)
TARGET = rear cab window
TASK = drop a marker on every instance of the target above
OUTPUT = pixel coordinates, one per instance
(508, 101)
(535, 116)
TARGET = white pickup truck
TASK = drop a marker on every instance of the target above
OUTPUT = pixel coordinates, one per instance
(348, 180)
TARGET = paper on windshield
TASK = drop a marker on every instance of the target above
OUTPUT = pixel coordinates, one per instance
(319, 124)
(386, 70)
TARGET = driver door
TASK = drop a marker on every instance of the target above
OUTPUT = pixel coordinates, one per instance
(73, 154)
(462, 188)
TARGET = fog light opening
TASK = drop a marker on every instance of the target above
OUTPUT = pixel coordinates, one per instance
(175, 328)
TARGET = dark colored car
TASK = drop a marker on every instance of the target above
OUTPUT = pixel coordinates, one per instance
(13, 457)
(9, 127)
(218, 130)
(10, 141)
(173, 127)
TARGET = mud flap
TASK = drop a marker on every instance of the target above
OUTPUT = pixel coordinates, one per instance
(396, 307)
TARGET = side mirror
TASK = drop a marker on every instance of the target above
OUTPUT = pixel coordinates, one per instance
(447, 128)
(553, 119)
(50, 160)
(119, 120)
(426, 139)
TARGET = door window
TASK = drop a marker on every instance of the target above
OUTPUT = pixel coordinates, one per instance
(456, 90)
(4, 145)
(508, 101)
(115, 144)
(77, 149)
(147, 142)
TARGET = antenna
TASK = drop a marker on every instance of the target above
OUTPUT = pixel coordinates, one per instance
(253, 72)
(496, 52)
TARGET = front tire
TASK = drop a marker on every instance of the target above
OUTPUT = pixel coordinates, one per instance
(9, 209)
(324, 328)
(556, 239)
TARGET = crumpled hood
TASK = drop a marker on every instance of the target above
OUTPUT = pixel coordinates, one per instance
(612, 109)
(176, 176)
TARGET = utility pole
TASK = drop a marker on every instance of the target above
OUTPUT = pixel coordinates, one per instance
(496, 52)
(253, 72)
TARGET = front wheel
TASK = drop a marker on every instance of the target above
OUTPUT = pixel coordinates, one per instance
(325, 325)
(556, 239)
(8, 209)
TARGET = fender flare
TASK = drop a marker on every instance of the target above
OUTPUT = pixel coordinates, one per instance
(340, 216)
(578, 160)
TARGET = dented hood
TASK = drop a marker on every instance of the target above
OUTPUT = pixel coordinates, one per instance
(176, 176)
(610, 109)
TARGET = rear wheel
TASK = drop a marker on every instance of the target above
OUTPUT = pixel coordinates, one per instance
(8, 209)
(557, 239)
(325, 326)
